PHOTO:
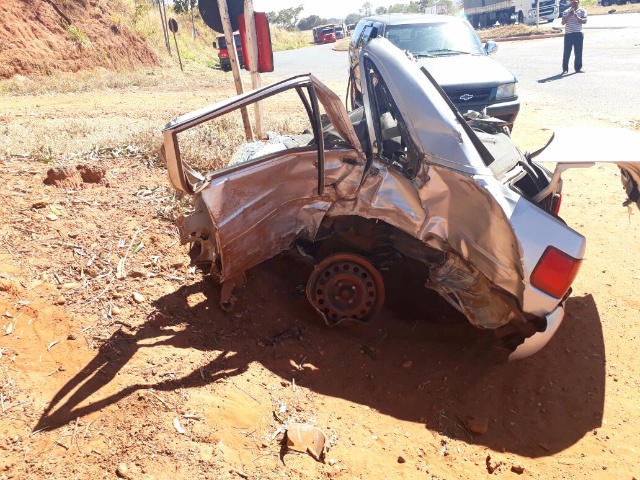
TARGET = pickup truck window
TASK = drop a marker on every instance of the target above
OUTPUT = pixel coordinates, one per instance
(355, 36)
(435, 39)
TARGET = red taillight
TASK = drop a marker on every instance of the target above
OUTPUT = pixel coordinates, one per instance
(555, 272)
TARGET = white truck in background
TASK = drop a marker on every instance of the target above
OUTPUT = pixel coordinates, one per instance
(437, 10)
(485, 13)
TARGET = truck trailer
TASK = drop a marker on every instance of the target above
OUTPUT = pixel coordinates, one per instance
(485, 13)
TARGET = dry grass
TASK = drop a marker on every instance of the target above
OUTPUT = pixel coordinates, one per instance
(518, 30)
(615, 9)
(150, 99)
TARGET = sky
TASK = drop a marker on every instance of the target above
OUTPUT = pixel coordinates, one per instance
(322, 8)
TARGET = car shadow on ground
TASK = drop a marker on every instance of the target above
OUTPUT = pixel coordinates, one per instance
(422, 364)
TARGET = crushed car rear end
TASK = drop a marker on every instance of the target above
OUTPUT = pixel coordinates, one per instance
(404, 178)
(496, 223)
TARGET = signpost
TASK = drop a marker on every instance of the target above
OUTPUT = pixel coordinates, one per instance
(173, 26)
(224, 16)
(252, 51)
(233, 58)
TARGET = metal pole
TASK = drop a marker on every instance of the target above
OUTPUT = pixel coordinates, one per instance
(164, 28)
(164, 25)
(233, 58)
(177, 50)
(193, 22)
(252, 46)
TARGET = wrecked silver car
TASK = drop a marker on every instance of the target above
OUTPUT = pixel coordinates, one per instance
(402, 177)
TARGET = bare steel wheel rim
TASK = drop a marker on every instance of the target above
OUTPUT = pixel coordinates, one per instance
(346, 287)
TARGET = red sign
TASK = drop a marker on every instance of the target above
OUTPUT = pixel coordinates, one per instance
(263, 34)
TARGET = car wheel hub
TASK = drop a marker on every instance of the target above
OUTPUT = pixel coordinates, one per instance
(346, 287)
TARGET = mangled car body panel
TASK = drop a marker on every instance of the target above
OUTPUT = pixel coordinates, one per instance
(404, 176)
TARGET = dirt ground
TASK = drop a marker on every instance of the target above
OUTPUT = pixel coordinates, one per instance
(116, 359)
(136, 372)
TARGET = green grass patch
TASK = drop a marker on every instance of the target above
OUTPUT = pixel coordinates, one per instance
(78, 36)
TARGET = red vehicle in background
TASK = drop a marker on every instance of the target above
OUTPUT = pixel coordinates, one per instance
(223, 52)
(328, 35)
(324, 34)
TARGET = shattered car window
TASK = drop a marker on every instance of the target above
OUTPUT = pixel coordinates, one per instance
(395, 146)
(221, 142)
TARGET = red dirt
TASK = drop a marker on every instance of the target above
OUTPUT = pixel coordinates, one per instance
(34, 38)
(102, 368)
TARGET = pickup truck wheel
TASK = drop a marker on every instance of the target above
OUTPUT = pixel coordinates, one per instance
(346, 286)
(606, 3)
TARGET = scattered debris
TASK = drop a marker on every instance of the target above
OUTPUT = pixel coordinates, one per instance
(306, 439)
(238, 472)
(177, 426)
(369, 351)
(138, 297)
(294, 332)
(122, 471)
(493, 464)
(544, 446)
(478, 425)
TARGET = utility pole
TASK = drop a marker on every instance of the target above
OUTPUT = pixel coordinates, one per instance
(163, 21)
(233, 58)
(166, 31)
(252, 46)
(193, 22)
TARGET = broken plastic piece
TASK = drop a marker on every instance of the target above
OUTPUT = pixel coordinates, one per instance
(306, 439)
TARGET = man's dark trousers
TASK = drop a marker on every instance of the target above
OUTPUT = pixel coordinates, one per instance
(572, 40)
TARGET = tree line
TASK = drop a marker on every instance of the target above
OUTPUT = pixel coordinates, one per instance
(290, 19)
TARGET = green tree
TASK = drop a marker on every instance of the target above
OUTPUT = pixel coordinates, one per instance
(183, 6)
(366, 9)
(398, 8)
(450, 6)
(287, 18)
(352, 18)
(312, 21)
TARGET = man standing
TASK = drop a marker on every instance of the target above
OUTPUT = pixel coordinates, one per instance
(573, 18)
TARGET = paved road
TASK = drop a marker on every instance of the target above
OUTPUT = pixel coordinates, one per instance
(609, 90)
